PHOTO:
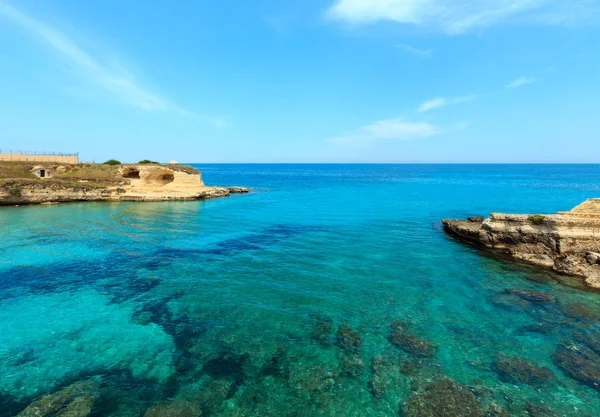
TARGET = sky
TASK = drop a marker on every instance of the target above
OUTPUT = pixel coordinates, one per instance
(315, 81)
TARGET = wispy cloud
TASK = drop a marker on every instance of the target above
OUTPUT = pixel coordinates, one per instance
(115, 81)
(459, 16)
(520, 82)
(439, 102)
(423, 53)
(387, 130)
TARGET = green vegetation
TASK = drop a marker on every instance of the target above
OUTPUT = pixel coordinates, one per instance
(112, 162)
(91, 173)
(147, 161)
(536, 219)
(16, 170)
(14, 176)
(14, 190)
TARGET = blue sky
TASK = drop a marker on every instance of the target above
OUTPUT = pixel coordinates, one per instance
(303, 81)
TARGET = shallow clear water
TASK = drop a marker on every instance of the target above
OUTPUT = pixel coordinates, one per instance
(234, 304)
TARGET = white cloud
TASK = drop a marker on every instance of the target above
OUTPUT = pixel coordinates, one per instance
(439, 102)
(423, 53)
(459, 16)
(117, 82)
(520, 82)
(387, 130)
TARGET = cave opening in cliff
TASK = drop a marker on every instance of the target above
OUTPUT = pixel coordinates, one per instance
(167, 178)
(133, 175)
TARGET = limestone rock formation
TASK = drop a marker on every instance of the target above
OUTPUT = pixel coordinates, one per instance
(567, 242)
(88, 182)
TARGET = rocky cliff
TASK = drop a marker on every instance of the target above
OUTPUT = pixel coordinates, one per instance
(87, 182)
(567, 242)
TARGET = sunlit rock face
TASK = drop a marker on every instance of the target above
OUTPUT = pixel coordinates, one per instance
(566, 242)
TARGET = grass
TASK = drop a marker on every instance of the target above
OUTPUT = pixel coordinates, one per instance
(536, 219)
(16, 170)
(107, 173)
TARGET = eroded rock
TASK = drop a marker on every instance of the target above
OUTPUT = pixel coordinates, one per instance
(530, 295)
(322, 330)
(443, 398)
(514, 370)
(348, 339)
(565, 242)
(76, 400)
(177, 408)
(579, 363)
(404, 339)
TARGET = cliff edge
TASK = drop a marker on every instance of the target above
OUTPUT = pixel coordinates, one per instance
(29, 183)
(567, 242)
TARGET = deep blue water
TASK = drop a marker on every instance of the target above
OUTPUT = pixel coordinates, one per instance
(234, 304)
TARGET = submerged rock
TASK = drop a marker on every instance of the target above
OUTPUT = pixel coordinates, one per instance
(580, 363)
(514, 370)
(319, 378)
(404, 339)
(530, 295)
(76, 400)
(177, 408)
(352, 364)
(509, 302)
(322, 330)
(443, 398)
(577, 311)
(379, 380)
(279, 366)
(212, 397)
(348, 339)
(535, 410)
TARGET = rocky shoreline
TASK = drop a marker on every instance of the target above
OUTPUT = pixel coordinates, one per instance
(566, 242)
(87, 182)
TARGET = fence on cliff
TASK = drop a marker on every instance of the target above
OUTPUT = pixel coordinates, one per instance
(24, 156)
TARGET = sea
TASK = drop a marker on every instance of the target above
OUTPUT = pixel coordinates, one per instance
(329, 290)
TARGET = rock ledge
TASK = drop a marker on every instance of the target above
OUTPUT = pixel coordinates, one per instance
(566, 242)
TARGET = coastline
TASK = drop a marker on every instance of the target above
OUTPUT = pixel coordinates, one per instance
(566, 242)
(90, 182)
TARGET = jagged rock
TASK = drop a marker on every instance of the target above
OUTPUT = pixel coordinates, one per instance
(348, 339)
(403, 338)
(177, 408)
(592, 258)
(322, 330)
(514, 370)
(530, 295)
(580, 363)
(443, 398)
(565, 242)
(476, 219)
(76, 400)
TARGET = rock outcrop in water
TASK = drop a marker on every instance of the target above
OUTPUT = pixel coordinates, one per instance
(567, 242)
(90, 182)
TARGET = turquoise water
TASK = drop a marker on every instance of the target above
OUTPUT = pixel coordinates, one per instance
(235, 304)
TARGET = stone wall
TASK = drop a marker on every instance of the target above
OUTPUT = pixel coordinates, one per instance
(18, 157)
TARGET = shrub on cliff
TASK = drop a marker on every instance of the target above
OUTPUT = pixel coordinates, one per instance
(536, 219)
(147, 161)
(14, 190)
(112, 162)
